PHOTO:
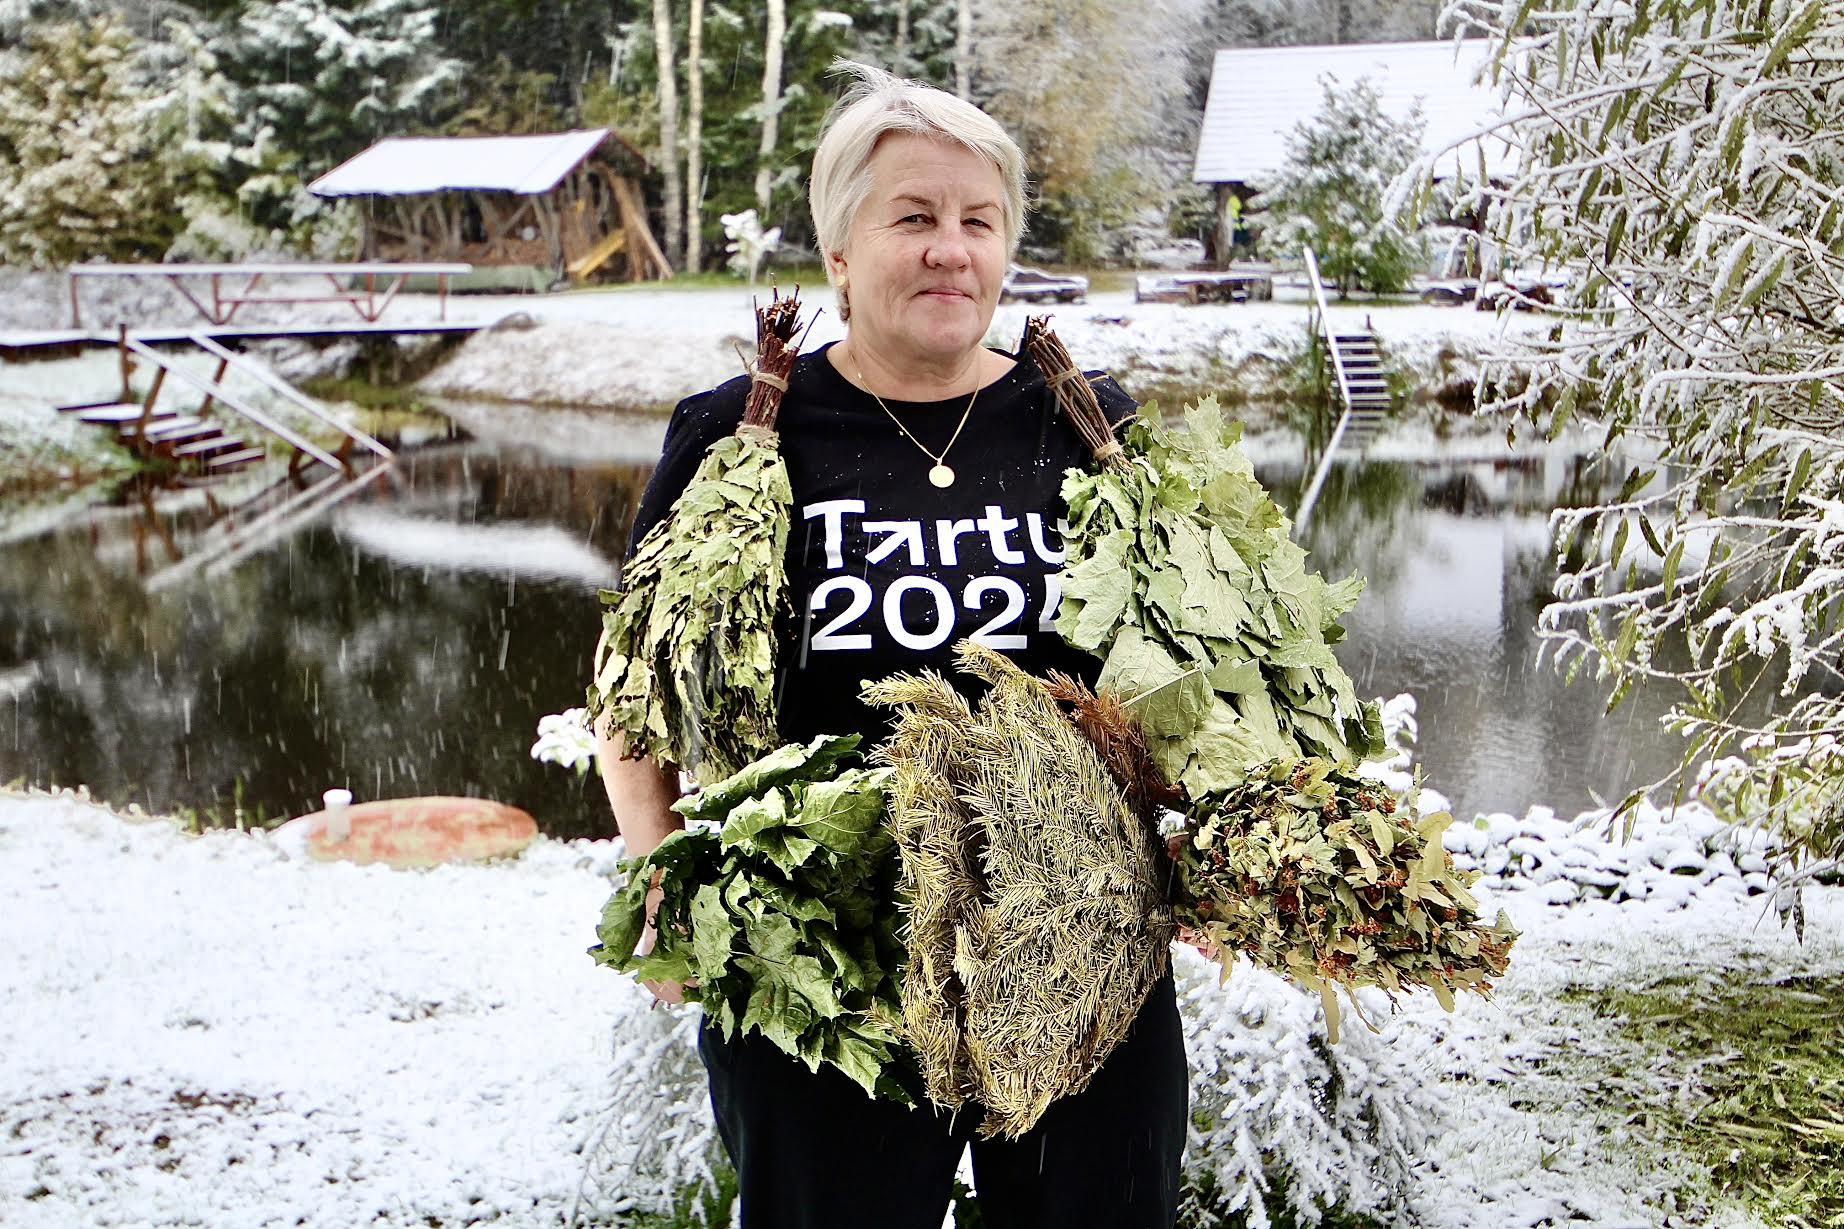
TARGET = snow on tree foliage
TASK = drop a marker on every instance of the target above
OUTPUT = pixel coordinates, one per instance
(1330, 194)
(1682, 162)
(911, 38)
(80, 174)
(1091, 91)
(319, 81)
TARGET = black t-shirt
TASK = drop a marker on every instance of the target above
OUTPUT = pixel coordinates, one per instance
(887, 572)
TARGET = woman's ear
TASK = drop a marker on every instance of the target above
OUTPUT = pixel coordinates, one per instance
(841, 283)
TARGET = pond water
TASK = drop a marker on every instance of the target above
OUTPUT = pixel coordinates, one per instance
(407, 640)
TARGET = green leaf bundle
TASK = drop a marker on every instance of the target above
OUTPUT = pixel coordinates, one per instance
(1319, 874)
(785, 916)
(684, 669)
(1037, 911)
(1181, 577)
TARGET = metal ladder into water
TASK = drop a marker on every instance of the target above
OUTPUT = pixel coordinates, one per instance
(1361, 388)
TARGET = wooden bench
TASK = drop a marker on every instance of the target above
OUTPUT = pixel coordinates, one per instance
(218, 291)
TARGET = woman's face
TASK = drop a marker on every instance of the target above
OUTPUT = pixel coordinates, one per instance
(926, 252)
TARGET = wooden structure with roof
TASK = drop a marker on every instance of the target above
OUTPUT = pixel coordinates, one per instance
(552, 201)
(1259, 95)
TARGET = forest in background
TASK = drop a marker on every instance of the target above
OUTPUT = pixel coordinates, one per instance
(192, 128)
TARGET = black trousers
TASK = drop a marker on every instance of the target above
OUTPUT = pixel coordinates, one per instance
(813, 1152)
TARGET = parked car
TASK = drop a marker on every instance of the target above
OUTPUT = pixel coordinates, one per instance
(1027, 285)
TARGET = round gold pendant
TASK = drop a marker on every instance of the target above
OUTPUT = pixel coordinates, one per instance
(941, 475)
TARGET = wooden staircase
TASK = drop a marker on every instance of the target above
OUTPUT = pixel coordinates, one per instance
(195, 443)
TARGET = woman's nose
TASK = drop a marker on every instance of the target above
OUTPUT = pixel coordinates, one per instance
(949, 248)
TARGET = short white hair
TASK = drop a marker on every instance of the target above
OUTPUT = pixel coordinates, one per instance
(878, 104)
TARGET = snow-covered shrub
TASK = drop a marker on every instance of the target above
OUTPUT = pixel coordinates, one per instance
(748, 243)
(656, 1142)
(564, 740)
(1280, 1119)
(216, 231)
(80, 177)
(1681, 163)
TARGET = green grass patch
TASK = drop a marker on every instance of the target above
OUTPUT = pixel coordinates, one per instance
(386, 411)
(1102, 281)
(702, 1206)
(1760, 1096)
(364, 394)
(46, 469)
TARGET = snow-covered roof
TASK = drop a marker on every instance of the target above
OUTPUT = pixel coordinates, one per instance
(401, 166)
(1258, 95)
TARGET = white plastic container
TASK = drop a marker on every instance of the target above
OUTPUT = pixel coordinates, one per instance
(339, 823)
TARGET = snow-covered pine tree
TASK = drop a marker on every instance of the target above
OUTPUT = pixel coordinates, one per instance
(319, 81)
(1330, 194)
(911, 38)
(80, 175)
(1681, 160)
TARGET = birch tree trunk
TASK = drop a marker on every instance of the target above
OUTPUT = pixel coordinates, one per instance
(899, 58)
(771, 102)
(668, 120)
(963, 49)
(694, 141)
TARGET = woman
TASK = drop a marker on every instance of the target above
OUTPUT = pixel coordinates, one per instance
(926, 471)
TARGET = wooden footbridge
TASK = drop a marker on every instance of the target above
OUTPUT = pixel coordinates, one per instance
(224, 429)
(204, 421)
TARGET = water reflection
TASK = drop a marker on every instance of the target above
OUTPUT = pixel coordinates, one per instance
(407, 642)
(1458, 558)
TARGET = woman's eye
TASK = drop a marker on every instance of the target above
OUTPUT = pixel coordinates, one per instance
(982, 222)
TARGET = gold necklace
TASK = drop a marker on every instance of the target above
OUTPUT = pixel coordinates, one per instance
(941, 475)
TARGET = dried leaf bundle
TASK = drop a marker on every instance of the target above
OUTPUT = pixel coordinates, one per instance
(1322, 875)
(685, 664)
(1182, 578)
(1038, 918)
(784, 915)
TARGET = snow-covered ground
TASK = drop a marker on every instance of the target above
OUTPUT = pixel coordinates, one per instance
(641, 347)
(210, 1030)
(650, 347)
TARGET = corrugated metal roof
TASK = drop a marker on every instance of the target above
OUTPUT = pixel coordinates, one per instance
(402, 166)
(1258, 95)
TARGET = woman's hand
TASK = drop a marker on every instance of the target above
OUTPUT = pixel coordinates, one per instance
(663, 991)
(641, 793)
